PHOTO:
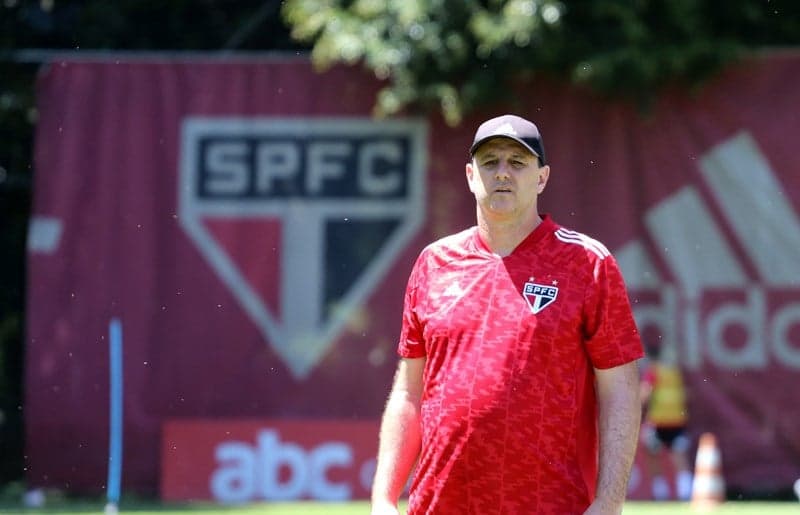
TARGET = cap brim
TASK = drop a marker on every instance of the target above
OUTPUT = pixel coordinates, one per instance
(521, 141)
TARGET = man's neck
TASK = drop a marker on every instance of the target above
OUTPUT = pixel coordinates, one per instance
(503, 236)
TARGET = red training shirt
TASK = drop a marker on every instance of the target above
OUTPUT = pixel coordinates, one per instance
(509, 422)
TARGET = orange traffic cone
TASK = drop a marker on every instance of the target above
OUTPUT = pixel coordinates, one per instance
(708, 487)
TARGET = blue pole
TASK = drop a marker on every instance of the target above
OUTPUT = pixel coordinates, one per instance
(115, 411)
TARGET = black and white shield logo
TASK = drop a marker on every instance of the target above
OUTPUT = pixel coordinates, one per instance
(539, 296)
(301, 217)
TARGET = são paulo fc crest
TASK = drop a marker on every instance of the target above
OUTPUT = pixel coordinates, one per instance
(539, 296)
(301, 218)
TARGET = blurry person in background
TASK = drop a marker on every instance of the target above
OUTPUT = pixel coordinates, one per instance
(665, 419)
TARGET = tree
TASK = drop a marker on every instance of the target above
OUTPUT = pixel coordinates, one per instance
(455, 55)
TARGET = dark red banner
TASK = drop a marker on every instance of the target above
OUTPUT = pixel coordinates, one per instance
(252, 228)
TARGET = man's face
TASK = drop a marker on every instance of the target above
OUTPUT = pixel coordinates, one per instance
(506, 178)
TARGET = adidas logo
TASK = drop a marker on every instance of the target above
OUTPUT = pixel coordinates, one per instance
(719, 271)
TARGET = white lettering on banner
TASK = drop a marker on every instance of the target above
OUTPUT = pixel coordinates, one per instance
(275, 162)
(248, 473)
(767, 335)
(371, 182)
(227, 173)
(697, 250)
(235, 481)
(239, 169)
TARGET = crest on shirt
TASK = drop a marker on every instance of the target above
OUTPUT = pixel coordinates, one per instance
(539, 296)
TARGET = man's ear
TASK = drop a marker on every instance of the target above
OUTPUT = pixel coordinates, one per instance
(544, 175)
(470, 173)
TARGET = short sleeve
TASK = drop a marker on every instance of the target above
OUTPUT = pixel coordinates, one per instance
(612, 338)
(412, 344)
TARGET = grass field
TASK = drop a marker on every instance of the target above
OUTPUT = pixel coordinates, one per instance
(359, 508)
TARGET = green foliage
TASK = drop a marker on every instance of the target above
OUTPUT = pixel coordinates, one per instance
(455, 55)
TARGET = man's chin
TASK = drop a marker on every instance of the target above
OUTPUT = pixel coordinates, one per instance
(502, 209)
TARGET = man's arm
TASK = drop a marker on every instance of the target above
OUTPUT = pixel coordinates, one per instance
(619, 412)
(400, 436)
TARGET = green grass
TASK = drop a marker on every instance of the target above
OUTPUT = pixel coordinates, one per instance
(359, 508)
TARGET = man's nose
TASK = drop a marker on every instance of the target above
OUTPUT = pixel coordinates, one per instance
(502, 171)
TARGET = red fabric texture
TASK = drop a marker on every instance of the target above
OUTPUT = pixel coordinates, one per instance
(508, 410)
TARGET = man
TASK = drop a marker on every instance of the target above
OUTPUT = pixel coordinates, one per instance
(518, 348)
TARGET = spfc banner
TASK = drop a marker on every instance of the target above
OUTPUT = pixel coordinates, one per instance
(252, 227)
(330, 201)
